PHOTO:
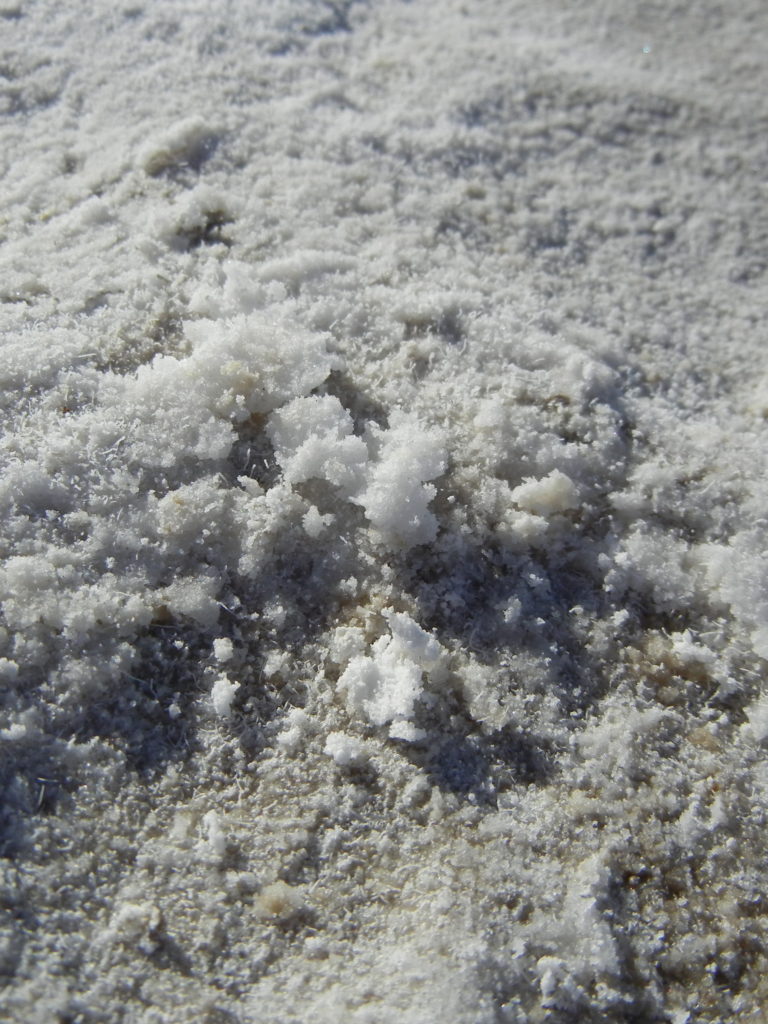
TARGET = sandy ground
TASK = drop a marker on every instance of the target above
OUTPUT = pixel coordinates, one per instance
(384, 580)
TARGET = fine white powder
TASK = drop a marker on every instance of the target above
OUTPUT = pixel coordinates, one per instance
(383, 460)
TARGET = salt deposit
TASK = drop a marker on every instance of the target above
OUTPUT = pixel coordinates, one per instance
(384, 581)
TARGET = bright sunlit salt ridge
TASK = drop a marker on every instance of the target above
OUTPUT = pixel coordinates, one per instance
(383, 587)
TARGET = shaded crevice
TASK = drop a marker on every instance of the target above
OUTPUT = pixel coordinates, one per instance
(150, 716)
(363, 409)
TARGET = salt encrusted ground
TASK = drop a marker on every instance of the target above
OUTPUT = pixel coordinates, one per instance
(384, 568)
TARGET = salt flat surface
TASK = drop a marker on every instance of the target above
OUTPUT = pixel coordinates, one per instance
(384, 581)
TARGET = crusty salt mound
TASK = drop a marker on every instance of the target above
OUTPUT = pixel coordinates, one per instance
(384, 582)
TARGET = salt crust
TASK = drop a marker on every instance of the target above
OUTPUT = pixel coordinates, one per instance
(384, 601)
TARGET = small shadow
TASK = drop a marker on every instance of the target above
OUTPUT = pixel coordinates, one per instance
(149, 713)
(186, 162)
(479, 767)
(363, 409)
(209, 232)
(33, 781)
(170, 955)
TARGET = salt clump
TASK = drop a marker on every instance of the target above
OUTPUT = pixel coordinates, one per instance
(314, 523)
(344, 749)
(222, 695)
(396, 496)
(195, 597)
(186, 141)
(296, 725)
(223, 650)
(216, 840)
(135, 923)
(551, 494)
(313, 438)
(385, 686)
(739, 573)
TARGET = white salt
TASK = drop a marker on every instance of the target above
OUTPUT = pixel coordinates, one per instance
(223, 694)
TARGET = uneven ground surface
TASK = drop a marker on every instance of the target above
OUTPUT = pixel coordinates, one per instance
(384, 579)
